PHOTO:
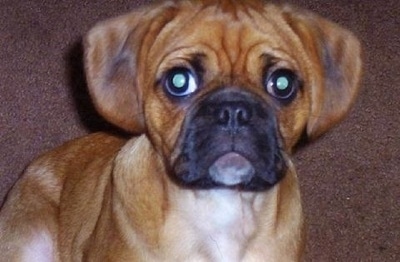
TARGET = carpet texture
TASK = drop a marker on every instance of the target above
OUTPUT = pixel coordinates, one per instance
(350, 178)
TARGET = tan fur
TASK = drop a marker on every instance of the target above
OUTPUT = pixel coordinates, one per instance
(104, 198)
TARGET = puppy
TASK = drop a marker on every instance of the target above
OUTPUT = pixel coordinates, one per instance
(217, 93)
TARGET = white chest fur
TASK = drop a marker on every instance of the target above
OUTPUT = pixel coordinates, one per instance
(212, 225)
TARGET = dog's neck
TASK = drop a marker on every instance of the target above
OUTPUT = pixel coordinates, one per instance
(218, 224)
(199, 225)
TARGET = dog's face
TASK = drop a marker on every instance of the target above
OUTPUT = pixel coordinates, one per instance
(223, 89)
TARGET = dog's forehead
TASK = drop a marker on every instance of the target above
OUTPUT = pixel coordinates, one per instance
(228, 31)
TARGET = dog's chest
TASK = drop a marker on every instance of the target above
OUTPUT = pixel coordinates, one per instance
(217, 224)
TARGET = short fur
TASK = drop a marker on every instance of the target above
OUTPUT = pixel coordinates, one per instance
(106, 198)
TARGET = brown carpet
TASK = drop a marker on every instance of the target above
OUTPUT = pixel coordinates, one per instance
(350, 178)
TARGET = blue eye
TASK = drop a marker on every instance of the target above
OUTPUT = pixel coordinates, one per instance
(180, 82)
(282, 84)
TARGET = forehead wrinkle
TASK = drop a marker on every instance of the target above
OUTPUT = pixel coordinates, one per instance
(228, 28)
(175, 35)
(233, 7)
(227, 35)
(227, 18)
(245, 30)
(230, 43)
(238, 44)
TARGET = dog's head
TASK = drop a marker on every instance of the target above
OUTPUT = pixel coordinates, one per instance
(223, 88)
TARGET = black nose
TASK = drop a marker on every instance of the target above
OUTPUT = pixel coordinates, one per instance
(233, 115)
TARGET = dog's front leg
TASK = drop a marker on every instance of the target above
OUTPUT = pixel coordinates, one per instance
(28, 223)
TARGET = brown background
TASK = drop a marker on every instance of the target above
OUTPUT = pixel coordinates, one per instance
(350, 178)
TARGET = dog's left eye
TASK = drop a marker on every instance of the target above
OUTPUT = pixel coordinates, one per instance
(282, 84)
(180, 82)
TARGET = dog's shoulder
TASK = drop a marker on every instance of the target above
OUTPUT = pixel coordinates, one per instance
(78, 153)
(71, 161)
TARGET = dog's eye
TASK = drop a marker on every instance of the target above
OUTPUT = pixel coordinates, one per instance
(282, 84)
(180, 82)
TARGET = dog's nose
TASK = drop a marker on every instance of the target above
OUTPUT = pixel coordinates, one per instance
(233, 115)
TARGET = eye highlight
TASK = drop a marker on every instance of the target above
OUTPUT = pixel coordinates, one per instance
(282, 84)
(180, 82)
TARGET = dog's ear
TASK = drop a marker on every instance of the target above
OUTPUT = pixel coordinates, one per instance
(338, 53)
(112, 58)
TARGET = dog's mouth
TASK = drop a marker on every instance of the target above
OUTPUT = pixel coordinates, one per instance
(230, 140)
(231, 169)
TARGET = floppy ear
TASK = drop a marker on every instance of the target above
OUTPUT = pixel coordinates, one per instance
(112, 58)
(338, 52)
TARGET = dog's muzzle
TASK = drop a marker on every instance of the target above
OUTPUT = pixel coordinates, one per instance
(229, 140)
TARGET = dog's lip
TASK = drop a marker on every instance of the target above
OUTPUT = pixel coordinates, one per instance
(231, 169)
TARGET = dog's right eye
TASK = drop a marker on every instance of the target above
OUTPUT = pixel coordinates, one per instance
(180, 82)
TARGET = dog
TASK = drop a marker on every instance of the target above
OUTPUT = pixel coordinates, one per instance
(216, 95)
